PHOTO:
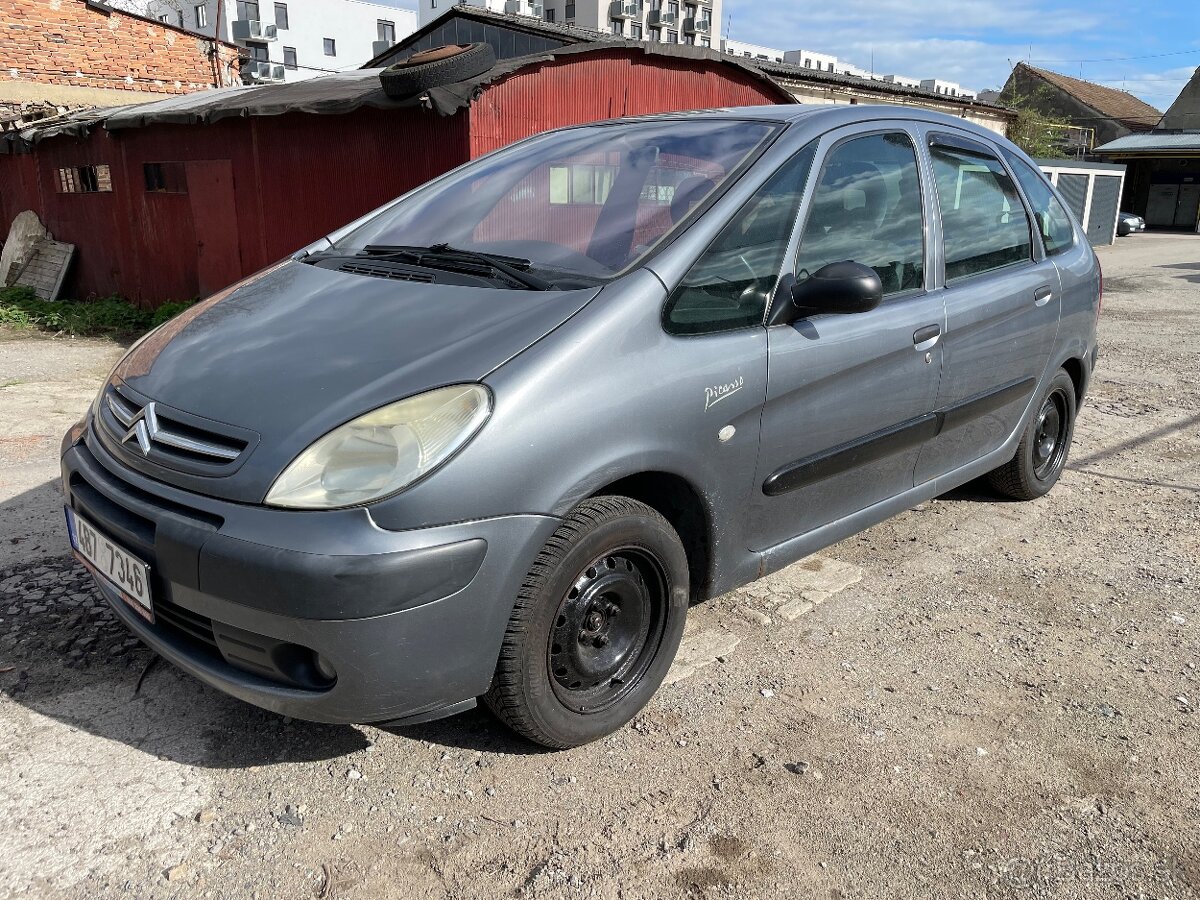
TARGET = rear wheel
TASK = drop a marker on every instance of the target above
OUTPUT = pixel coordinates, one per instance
(596, 625)
(1042, 453)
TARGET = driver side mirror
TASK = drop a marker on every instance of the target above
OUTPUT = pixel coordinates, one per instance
(841, 287)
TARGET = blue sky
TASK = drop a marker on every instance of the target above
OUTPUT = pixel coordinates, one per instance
(975, 42)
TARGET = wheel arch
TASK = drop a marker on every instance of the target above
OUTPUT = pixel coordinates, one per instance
(681, 504)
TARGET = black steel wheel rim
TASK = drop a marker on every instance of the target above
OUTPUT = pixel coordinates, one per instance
(607, 629)
(1050, 436)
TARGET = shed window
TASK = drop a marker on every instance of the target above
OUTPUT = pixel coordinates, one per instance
(281, 16)
(289, 57)
(165, 178)
(330, 47)
(84, 180)
(581, 184)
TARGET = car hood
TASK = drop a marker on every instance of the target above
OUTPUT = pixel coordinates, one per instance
(285, 356)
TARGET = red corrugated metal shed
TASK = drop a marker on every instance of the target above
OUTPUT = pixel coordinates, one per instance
(261, 187)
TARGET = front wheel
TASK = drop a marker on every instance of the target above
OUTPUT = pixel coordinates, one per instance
(1042, 453)
(595, 627)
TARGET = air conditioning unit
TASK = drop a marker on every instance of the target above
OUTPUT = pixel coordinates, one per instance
(258, 71)
(253, 30)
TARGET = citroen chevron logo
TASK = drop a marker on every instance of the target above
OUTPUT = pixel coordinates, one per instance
(144, 427)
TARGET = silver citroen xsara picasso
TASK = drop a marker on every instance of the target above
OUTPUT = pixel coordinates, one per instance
(491, 440)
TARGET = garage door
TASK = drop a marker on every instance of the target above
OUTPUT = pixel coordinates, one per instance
(1074, 191)
(1102, 217)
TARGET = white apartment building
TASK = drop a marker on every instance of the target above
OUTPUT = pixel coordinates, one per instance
(291, 40)
(694, 22)
(903, 81)
(810, 59)
(751, 51)
(949, 88)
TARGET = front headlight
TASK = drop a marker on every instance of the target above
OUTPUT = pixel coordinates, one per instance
(386, 450)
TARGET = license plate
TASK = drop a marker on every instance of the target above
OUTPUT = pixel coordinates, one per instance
(121, 569)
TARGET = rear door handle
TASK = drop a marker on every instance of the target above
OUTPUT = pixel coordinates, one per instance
(1043, 295)
(924, 338)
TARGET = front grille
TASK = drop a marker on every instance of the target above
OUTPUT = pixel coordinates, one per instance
(193, 625)
(141, 429)
(383, 270)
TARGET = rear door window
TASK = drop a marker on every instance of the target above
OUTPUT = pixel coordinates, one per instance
(867, 208)
(984, 225)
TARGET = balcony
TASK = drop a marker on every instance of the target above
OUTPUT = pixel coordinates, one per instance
(661, 18)
(523, 8)
(697, 26)
(256, 71)
(620, 10)
(252, 30)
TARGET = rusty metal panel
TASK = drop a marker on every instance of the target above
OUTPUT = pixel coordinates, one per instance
(603, 85)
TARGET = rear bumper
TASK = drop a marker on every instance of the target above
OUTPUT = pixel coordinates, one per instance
(247, 597)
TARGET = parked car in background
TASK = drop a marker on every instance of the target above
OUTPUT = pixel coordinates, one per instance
(1128, 223)
(493, 439)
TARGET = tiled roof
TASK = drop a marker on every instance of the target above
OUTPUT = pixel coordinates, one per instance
(1109, 102)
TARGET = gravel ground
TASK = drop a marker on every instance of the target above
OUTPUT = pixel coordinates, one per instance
(974, 699)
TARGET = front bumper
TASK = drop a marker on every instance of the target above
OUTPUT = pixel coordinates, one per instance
(246, 597)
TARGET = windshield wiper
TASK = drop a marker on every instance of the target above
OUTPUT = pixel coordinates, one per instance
(512, 268)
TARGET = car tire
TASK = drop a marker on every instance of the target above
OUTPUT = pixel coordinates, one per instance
(1042, 453)
(431, 68)
(596, 625)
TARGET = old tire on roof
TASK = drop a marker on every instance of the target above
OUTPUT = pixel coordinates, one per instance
(431, 68)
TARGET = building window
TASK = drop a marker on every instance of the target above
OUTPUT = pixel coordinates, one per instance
(165, 178)
(808, 62)
(386, 31)
(569, 11)
(163, 17)
(330, 47)
(617, 26)
(672, 37)
(84, 180)
(281, 16)
(549, 15)
(201, 16)
(289, 57)
(635, 31)
(655, 34)
(258, 52)
(248, 9)
(705, 42)
(689, 39)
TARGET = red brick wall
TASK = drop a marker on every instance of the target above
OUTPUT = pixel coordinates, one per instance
(70, 42)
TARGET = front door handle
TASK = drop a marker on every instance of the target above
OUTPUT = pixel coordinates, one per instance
(925, 338)
(1043, 295)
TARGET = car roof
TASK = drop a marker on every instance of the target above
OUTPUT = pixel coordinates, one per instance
(829, 116)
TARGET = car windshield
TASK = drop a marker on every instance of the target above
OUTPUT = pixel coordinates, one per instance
(587, 201)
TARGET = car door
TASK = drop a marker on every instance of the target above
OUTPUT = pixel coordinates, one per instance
(1002, 304)
(850, 397)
